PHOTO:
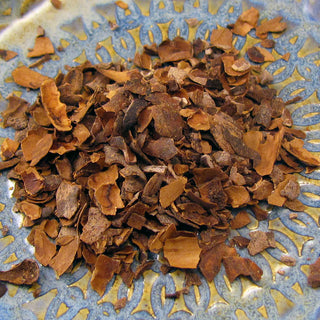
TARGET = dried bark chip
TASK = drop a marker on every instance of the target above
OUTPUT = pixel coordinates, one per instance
(65, 256)
(56, 111)
(237, 196)
(108, 198)
(45, 250)
(56, 3)
(246, 21)
(268, 43)
(132, 113)
(144, 119)
(8, 164)
(174, 251)
(295, 205)
(261, 190)
(273, 25)
(255, 55)
(172, 191)
(67, 198)
(276, 198)
(286, 56)
(117, 76)
(241, 65)
(268, 147)
(104, 269)
(295, 147)
(213, 193)
(314, 275)
(260, 241)
(15, 114)
(259, 213)
(31, 210)
(199, 121)
(94, 228)
(155, 244)
(25, 272)
(33, 181)
(146, 265)
(51, 228)
(120, 303)
(7, 55)
(167, 121)
(42, 46)
(231, 64)
(239, 241)
(42, 148)
(240, 220)
(236, 266)
(266, 54)
(222, 39)
(3, 289)
(143, 61)
(28, 78)
(175, 50)
(204, 175)
(289, 261)
(210, 262)
(8, 148)
(162, 148)
(291, 190)
(136, 221)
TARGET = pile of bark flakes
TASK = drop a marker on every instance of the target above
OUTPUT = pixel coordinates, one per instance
(112, 163)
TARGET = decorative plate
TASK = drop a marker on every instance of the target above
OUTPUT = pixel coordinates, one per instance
(78, 27)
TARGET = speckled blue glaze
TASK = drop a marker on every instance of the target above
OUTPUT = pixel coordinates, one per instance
(303, 18)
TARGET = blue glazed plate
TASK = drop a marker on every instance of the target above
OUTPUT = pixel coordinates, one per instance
(78, 27)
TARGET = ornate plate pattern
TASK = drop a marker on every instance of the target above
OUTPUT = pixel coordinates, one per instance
(78, 27)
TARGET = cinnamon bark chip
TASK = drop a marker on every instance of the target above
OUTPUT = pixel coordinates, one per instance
(8, 148)
(45, 250)
(96, 225)
(211, 259)
(104, 269)
(175, 50)
(143, 61)
(7, 55)
(25, 77)
(240, 220)
(314, 275)
(107, 158)
(67, 198)
(268, 43)
(255, 55)
(222, 39)
(273, 25)
(174, 251)
(65, 256)
(236, 266)
(260, 241)
(25, 272)
(246, 21)
(42, 46)
(172, 191)
(15, 115)
(56, 3)
(56, 110)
